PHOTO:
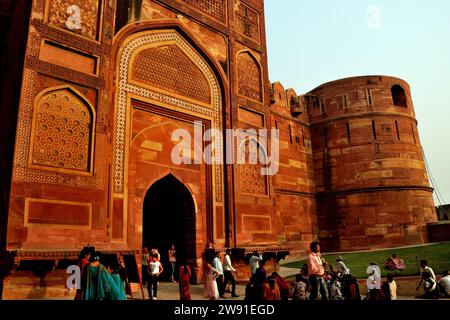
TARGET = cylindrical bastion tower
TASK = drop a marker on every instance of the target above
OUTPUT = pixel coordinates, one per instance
(372, 183)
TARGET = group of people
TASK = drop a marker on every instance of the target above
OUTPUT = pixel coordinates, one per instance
(100, 281)
(433, 289)
(317, 279)
(313, 282)
(320, 280)
(218, 274)
(263, 287)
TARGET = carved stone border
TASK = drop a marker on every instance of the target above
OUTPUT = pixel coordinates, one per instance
(125, 89)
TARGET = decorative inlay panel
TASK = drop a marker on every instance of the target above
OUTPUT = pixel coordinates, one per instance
(247, 20)
(35, 70)
(126, 89)
(249, 77)
(252, 181)
(169, 69)
(214, 8)
(78, 16)
(22, 172)
(62, 131)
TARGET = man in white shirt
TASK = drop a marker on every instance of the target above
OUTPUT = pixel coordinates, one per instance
(425, 268)
(255, 259)
(217, 264)
(373, 282)
(228, 273)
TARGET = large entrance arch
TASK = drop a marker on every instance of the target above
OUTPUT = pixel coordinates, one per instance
(169, 218)
(166, 81)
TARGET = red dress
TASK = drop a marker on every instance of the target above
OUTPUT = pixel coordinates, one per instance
(271, 294)
(185, 288)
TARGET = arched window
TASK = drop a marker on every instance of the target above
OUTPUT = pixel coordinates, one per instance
(399, 96)
(63, 124)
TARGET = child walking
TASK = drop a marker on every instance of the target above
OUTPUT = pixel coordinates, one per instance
(155, 269)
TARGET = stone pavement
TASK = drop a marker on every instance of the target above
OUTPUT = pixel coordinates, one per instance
(288, 272)
(169, 291)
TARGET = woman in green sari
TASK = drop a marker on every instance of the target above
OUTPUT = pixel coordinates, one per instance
(100, 285)
(118, 273)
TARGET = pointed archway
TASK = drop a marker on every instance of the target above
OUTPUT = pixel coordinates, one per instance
(169, 218)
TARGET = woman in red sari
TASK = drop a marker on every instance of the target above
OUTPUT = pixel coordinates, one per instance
(282, 286)
(185, 277)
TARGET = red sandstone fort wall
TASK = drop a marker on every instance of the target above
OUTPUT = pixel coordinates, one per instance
(75, 152)
(69, 156)
(371, 178)
(294, 185)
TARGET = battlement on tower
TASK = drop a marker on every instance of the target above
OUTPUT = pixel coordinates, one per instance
(364, 151)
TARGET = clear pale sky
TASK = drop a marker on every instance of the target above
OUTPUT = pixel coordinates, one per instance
(311, 42)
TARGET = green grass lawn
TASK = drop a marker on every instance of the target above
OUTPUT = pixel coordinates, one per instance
(438, 257)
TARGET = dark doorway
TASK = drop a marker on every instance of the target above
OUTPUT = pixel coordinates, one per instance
(169, 218)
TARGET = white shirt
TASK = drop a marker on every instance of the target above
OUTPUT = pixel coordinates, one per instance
(218, 265)
(254, 263)
(227, 264)
(370, 283)
(430, 271)
(393, 290)
(154, 267)
(445, 281)
(374, 278)
(342, 268)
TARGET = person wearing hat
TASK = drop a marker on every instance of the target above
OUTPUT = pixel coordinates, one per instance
(342, 269)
